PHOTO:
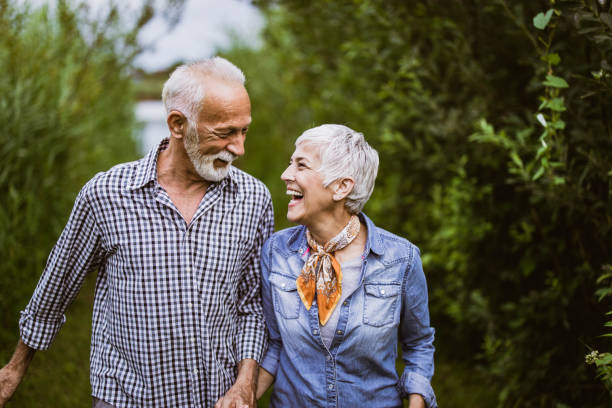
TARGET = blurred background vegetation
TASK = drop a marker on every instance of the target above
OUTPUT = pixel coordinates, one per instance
(493, 120)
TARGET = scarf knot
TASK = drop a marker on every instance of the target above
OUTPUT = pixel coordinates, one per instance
(321, 274)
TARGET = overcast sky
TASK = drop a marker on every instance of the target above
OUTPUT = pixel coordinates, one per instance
(205, 25)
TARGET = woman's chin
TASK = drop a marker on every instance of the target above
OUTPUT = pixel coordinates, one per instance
(294, 217)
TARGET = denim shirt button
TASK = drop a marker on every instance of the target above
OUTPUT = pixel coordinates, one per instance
(315, 332)
(382, 292)
(339, 332)
(330, 386)
(345, 303)
(328, 358)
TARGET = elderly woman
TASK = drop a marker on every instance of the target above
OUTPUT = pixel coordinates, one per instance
(340, 293)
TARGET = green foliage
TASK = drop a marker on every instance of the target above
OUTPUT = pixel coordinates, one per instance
(603, 361)
(67, 112)
(495, 138)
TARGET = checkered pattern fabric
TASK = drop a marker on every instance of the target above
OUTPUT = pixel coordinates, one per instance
(177, 305)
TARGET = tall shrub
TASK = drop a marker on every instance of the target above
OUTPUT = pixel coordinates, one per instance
(66, 109)
(493, 123)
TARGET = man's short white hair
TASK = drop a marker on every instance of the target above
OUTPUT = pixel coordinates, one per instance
(184, 90)
(344, 153)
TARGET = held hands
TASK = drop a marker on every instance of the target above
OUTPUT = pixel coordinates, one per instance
(242, 393)
(239, 396)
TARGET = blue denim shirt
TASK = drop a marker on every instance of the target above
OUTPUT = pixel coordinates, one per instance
(358, 370)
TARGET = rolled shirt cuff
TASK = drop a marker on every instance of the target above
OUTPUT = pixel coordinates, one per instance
(38, 333)
(413, 383)
(251, 343)
(270, 360)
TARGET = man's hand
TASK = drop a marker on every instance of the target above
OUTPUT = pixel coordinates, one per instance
(242, 393)
(12, 373)
(9, 380)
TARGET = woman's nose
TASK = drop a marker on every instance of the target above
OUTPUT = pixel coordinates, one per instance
(287, 174)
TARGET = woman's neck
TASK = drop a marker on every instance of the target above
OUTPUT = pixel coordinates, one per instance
(325, 229)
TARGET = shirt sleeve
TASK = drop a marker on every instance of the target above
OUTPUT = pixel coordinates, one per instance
(271, 358)
(77, 251)
(417, 336)
(252, 341)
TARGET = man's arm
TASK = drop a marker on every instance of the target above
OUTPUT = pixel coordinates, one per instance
(251, 339)
(12, 373)
(77, 251)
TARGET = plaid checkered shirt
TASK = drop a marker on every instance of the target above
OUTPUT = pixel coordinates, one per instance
(177, 305)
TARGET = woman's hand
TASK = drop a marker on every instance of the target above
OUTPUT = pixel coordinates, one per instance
(416, 401)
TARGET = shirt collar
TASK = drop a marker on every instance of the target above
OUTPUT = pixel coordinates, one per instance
(146, 169)
(297, 241)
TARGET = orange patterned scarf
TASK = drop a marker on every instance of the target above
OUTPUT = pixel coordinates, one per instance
(322, 273)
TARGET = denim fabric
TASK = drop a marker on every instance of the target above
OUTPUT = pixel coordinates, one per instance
(388, 307)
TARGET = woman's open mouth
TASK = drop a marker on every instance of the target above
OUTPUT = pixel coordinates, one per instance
(296, 196)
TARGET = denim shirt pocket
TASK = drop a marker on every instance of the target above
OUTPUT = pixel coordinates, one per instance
(285, 296)
(380, 303)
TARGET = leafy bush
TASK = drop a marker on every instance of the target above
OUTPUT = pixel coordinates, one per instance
(67, 111)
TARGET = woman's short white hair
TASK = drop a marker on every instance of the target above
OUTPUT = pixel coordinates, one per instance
(184, 90)
(344, 153)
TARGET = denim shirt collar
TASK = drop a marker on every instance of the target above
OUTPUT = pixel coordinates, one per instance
(297, 241)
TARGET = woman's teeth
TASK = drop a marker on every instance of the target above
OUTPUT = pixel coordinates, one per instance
(294, 194)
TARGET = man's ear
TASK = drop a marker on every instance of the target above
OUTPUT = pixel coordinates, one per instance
(177, 124)
(342, 188)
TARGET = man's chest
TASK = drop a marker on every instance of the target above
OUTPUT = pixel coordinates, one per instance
(146, 239)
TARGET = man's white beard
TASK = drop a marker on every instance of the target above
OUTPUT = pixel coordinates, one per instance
(203, 163)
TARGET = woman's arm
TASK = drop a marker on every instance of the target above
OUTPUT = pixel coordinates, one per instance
(264, 381)
(269, 364)
(416, 336)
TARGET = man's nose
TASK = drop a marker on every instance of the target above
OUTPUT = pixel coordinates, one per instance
(236, 145)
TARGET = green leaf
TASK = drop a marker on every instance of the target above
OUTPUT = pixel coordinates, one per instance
(558, 180)
(555, 82)
(606, 18)
(516, 159)
(541, 20)
(606, 359)
(601, 38)
(558, 124)
(553, 58)
(556, 104)
(538, 174)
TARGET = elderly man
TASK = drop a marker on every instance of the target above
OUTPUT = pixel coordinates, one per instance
(175, 237)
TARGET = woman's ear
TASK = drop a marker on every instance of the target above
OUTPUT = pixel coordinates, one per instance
(177, 124)
(342, 188)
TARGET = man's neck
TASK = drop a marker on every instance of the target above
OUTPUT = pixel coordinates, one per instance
(176, 172)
